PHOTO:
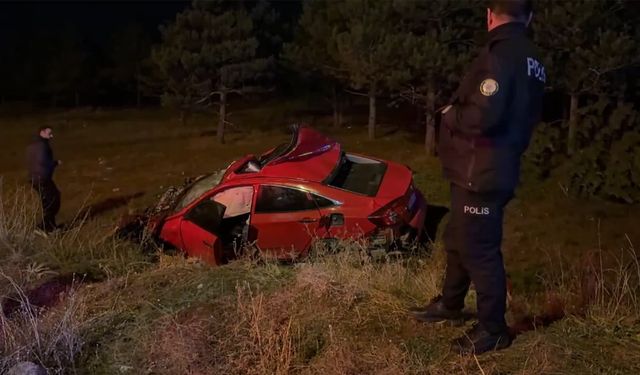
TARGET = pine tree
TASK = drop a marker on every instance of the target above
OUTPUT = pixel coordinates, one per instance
(209, 52)
(370, 48)
(585, 45)
(442, 42)
(309, 52)
(358, 42)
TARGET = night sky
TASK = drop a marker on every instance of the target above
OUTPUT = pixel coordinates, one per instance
(96, 21)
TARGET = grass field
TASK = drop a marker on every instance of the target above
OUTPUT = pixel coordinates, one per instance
(136, 312)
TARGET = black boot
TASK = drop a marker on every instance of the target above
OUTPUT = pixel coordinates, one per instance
(436, 312)
(477, 340)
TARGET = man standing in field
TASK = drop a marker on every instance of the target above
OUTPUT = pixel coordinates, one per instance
(41, 165)
(485, 130)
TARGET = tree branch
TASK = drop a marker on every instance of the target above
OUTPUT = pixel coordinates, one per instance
(356, 93)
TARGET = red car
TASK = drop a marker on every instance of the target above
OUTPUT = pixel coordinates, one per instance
(297, 193)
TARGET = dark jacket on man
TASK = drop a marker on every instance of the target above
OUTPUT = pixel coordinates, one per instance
(41, 165)
(40, 161)
(493, 113)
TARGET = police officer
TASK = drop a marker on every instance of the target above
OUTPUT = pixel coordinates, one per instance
(41, 165)
(484, 132)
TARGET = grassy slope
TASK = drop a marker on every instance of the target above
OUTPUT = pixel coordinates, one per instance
(336, 314)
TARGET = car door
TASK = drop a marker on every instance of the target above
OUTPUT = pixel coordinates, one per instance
(345, 214)
(285, 220)
(199, 228)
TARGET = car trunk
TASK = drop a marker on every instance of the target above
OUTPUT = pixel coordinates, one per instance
(394, 184)
(397, 205)
(396, 192)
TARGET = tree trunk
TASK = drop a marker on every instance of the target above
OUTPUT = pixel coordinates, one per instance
(372, 112)
(223, 116)
(573, 125)
(622, 91)
(138, 87)
(138, 93)
(430, 135)
(337, 108)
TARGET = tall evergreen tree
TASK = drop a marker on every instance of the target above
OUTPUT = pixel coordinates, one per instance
(310, 51)
(209, 52)
(585, 45)
(359, 42)
(370, 49)
(442, 35)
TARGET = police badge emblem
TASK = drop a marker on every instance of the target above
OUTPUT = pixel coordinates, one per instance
(489, 87)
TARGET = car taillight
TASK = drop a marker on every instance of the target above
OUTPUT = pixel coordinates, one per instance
(388, 215)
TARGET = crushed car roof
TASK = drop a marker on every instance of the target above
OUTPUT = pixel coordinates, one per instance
(310, 155)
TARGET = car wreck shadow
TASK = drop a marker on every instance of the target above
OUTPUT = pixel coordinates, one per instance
(103, 206)
(432, 221)
(554, 310)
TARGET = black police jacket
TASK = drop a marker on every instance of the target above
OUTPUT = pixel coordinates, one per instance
(40, 161)
(493, 112)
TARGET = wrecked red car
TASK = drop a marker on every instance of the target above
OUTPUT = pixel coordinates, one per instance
(295, 195)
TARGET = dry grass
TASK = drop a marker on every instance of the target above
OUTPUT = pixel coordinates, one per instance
(181, 344)
(315, 323)
(18, 215)
(302, 327)
(344, 313)
(600, 287)
(340, 313)
(84, 247)
(50, 338)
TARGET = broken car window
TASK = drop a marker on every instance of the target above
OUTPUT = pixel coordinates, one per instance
(207, 215)
(236, 199)
(359, 175)
(198, 188)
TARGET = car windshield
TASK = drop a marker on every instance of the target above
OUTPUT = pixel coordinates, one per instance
(198, 188)
(358, 174)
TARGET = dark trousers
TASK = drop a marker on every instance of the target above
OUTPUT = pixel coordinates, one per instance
(472, 240)
(50, 199)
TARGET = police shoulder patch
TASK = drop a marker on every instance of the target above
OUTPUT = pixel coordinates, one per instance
(489, 87)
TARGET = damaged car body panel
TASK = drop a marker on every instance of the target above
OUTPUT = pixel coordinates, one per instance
(283, 201)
